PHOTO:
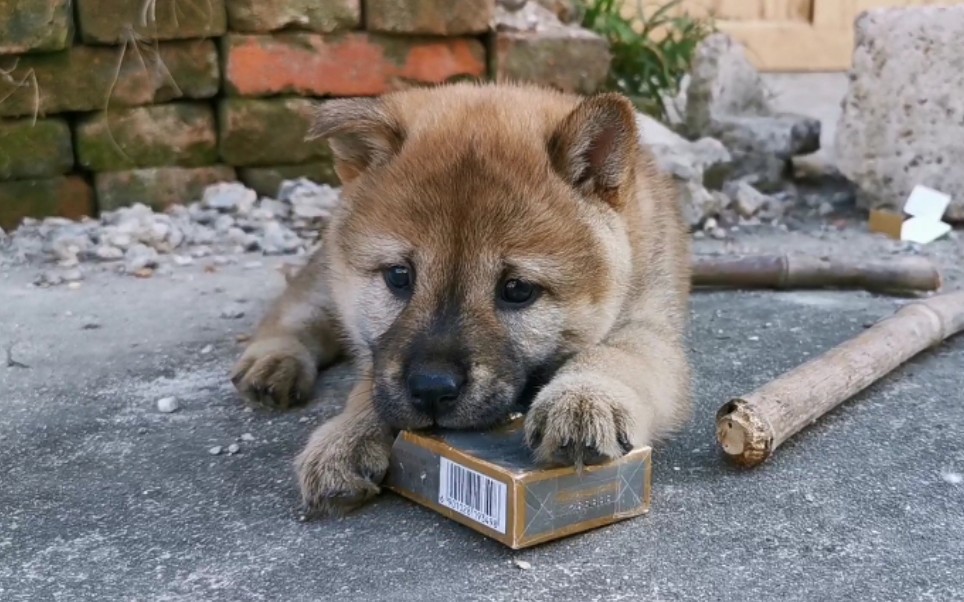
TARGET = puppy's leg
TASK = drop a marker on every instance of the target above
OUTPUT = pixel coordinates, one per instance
(605, 401)
(295, 338)
(346, 458)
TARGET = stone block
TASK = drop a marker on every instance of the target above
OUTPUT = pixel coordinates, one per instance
(265, 16)
(35, 26)
(157, 187)
(903, 115)
(176, 134)
(30, 150)
(94, 78)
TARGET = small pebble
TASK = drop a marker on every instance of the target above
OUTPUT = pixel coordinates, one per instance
(304, 419)
(232, 311)
(954, 478)
(73, 275)
(522, 564)
(215, 450)
(247, 437)
(168, 405)
(753, 338)
(234, 448)
(207, 349)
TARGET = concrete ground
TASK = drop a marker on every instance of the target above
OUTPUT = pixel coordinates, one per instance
(104, 498)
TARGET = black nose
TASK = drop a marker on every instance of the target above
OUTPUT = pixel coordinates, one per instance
(434, 387)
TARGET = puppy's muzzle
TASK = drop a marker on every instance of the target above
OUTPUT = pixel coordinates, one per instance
(434, 387)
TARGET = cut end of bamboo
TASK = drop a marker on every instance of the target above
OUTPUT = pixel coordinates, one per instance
(745, 439)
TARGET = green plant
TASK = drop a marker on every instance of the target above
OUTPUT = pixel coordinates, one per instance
(651, 54)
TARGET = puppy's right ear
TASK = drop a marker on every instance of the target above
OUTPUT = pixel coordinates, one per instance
(361, 132)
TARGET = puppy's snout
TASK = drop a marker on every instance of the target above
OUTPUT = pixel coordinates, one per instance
(435, 387)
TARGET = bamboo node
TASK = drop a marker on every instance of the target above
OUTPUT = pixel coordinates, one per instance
(746, 439)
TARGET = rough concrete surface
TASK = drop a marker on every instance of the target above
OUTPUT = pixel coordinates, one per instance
(103, 497)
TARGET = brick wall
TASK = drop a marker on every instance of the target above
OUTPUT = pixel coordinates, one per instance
(110, 102)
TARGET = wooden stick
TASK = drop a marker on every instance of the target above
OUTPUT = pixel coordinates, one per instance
(750, 428)
(796, 271)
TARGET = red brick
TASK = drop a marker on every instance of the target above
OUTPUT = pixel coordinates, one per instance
(85, 78)
(353, 64)
(265, 16)
(568, 59)
(35, 26)
(158, 187)
(110, 21)
(438, 17)
(70, 197)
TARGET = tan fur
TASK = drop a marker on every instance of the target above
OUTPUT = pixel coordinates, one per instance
(471, 185)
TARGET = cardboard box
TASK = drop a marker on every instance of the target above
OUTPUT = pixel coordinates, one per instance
(488, 482)
(920, 219)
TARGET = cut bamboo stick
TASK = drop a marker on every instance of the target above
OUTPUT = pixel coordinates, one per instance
(750, 428)
(801, 271)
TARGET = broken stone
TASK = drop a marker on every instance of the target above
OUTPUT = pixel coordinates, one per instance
(688, 162)
(48, 279)
(726, 99)
(277, 239)
(138, 257)
(723, 83)
(74, 275)
(229, 196)
(307, 199)
(783, 136)
(108, 253)
(747, 200)
(234, 448)
(232, 311)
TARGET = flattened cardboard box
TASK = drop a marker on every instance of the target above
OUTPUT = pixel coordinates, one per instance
(488, 482)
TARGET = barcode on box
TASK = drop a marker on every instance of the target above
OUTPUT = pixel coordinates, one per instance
(472, 494)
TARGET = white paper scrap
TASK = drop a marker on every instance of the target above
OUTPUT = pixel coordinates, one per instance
(927, 206)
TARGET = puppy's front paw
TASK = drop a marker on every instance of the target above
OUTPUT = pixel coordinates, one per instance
(580, 420)
(341, 468)
(277, 372)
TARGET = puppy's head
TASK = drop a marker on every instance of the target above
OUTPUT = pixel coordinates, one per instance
(481, 241)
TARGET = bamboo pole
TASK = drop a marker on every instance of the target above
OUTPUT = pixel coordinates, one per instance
(800, 271)
(750, 428)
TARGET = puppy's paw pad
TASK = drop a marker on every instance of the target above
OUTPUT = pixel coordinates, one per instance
(577, 426)
(337, 475)
(275, 373)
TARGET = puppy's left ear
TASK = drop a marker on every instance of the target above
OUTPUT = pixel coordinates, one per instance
(594, 147)
(362, 134)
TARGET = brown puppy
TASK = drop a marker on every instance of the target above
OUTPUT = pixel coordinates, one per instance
(494, 242)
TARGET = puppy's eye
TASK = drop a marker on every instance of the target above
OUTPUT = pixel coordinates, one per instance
(399, 279)
(517, 293)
